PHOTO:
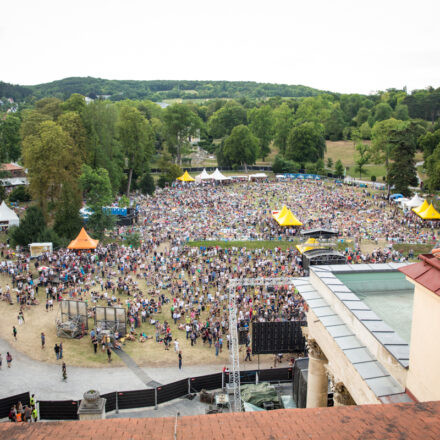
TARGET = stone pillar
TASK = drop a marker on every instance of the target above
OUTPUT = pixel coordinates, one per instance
(317, 381)
(341, 396)
(92, 406)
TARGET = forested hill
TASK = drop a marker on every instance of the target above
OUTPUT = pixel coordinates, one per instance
(159, 90)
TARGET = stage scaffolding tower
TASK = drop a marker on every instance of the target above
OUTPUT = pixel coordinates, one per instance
(234, 370)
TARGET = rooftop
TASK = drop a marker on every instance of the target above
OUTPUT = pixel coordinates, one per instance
(426, 273)
(393, 421)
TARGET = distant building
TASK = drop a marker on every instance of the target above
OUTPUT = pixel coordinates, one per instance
(13, 170)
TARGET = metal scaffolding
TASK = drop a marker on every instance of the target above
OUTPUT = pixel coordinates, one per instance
(234, 371)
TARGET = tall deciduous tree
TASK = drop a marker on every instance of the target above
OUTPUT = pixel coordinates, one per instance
(180, 123)
(283, 121)
(261, 125)
(362, 158)
(222, 122)
(339, 169)
(51, 158)
(68, 222)
(10, 140)
(137, 140)
(241, 147)
(306, 143)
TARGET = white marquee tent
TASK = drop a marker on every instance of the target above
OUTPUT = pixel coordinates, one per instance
(217, 175)
(203, 176)
(7, 216)
(415, 202)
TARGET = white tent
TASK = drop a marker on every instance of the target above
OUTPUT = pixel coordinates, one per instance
(38, 249)
(7, 216)
(217, 175)
(257, 176)
(415, 202)
(203, 176)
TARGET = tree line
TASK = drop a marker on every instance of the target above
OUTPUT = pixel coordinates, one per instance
(93, 151)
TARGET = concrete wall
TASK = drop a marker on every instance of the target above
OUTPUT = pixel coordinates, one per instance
(424, 362)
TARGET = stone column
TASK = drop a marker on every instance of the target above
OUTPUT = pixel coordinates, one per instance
(341, 396)
(317, 381)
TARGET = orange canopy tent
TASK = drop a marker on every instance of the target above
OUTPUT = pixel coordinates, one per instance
(83, 241)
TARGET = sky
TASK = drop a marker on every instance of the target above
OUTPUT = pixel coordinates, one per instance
(346, 46)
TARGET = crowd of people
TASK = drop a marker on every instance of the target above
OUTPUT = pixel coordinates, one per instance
(172, 290)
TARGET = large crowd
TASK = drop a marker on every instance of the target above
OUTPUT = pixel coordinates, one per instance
(192, 281)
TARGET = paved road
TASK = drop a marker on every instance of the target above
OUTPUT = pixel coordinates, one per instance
(45, 380)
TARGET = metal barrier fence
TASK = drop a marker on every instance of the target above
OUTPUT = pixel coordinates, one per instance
(68, 409)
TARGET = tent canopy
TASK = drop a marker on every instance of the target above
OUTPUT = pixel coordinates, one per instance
(415, 202)
(185, 177)
(396, 196)
(429, 213)
(282, 213)
(203, 175)
(421, 208)
(288, 220)
(310, 244)
(83, 241)
(217, 175)
(8, 216)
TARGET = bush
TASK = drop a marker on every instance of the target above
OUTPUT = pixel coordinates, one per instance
(281, 165)
(146, 184)
(373, 178)
(163, 181)
(20, 194)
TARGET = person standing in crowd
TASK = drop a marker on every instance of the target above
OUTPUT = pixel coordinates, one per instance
(179, 356)
(109, 354)
(176, 345)
(43, 340)
(8, 359)
(248, 354)
(14, 332)
(32, 401)
(95, 344)
(56, 349)
(61, 350)
(35, 415)
(64, 371)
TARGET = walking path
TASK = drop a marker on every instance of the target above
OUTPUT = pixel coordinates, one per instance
(46, 382)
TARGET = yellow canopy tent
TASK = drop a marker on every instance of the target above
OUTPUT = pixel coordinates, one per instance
(311, 241)
(421, 208)
(83, 241)
(288, 220)
(186, 177)
(282, 213)
(429, 213)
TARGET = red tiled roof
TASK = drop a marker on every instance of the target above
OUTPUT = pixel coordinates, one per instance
(426, 273)
(11, 167)
(395, 421)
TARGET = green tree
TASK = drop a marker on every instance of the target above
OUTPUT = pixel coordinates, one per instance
(381, 146)
(428, 142)
(180, 123)
(76, 103)
(339, 169)
(362, 116)
(221, 123)
(241, 147)
(68, 221)
(51, 158)
(262, 125)
(365, 131)
(124, 201)
(433, 170)
(10, 140)
(363, 157)
(51, 107)
(329, 163)
(281, 165)
(306, 143)
(72, 124)
(382, 112)
(137, 139)
(19, 194)
(146, 184)
(403, 172)
(401, 112)
(102, 144)
(334, 124)
(283, 121)
(30, 229)
(98, 194)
